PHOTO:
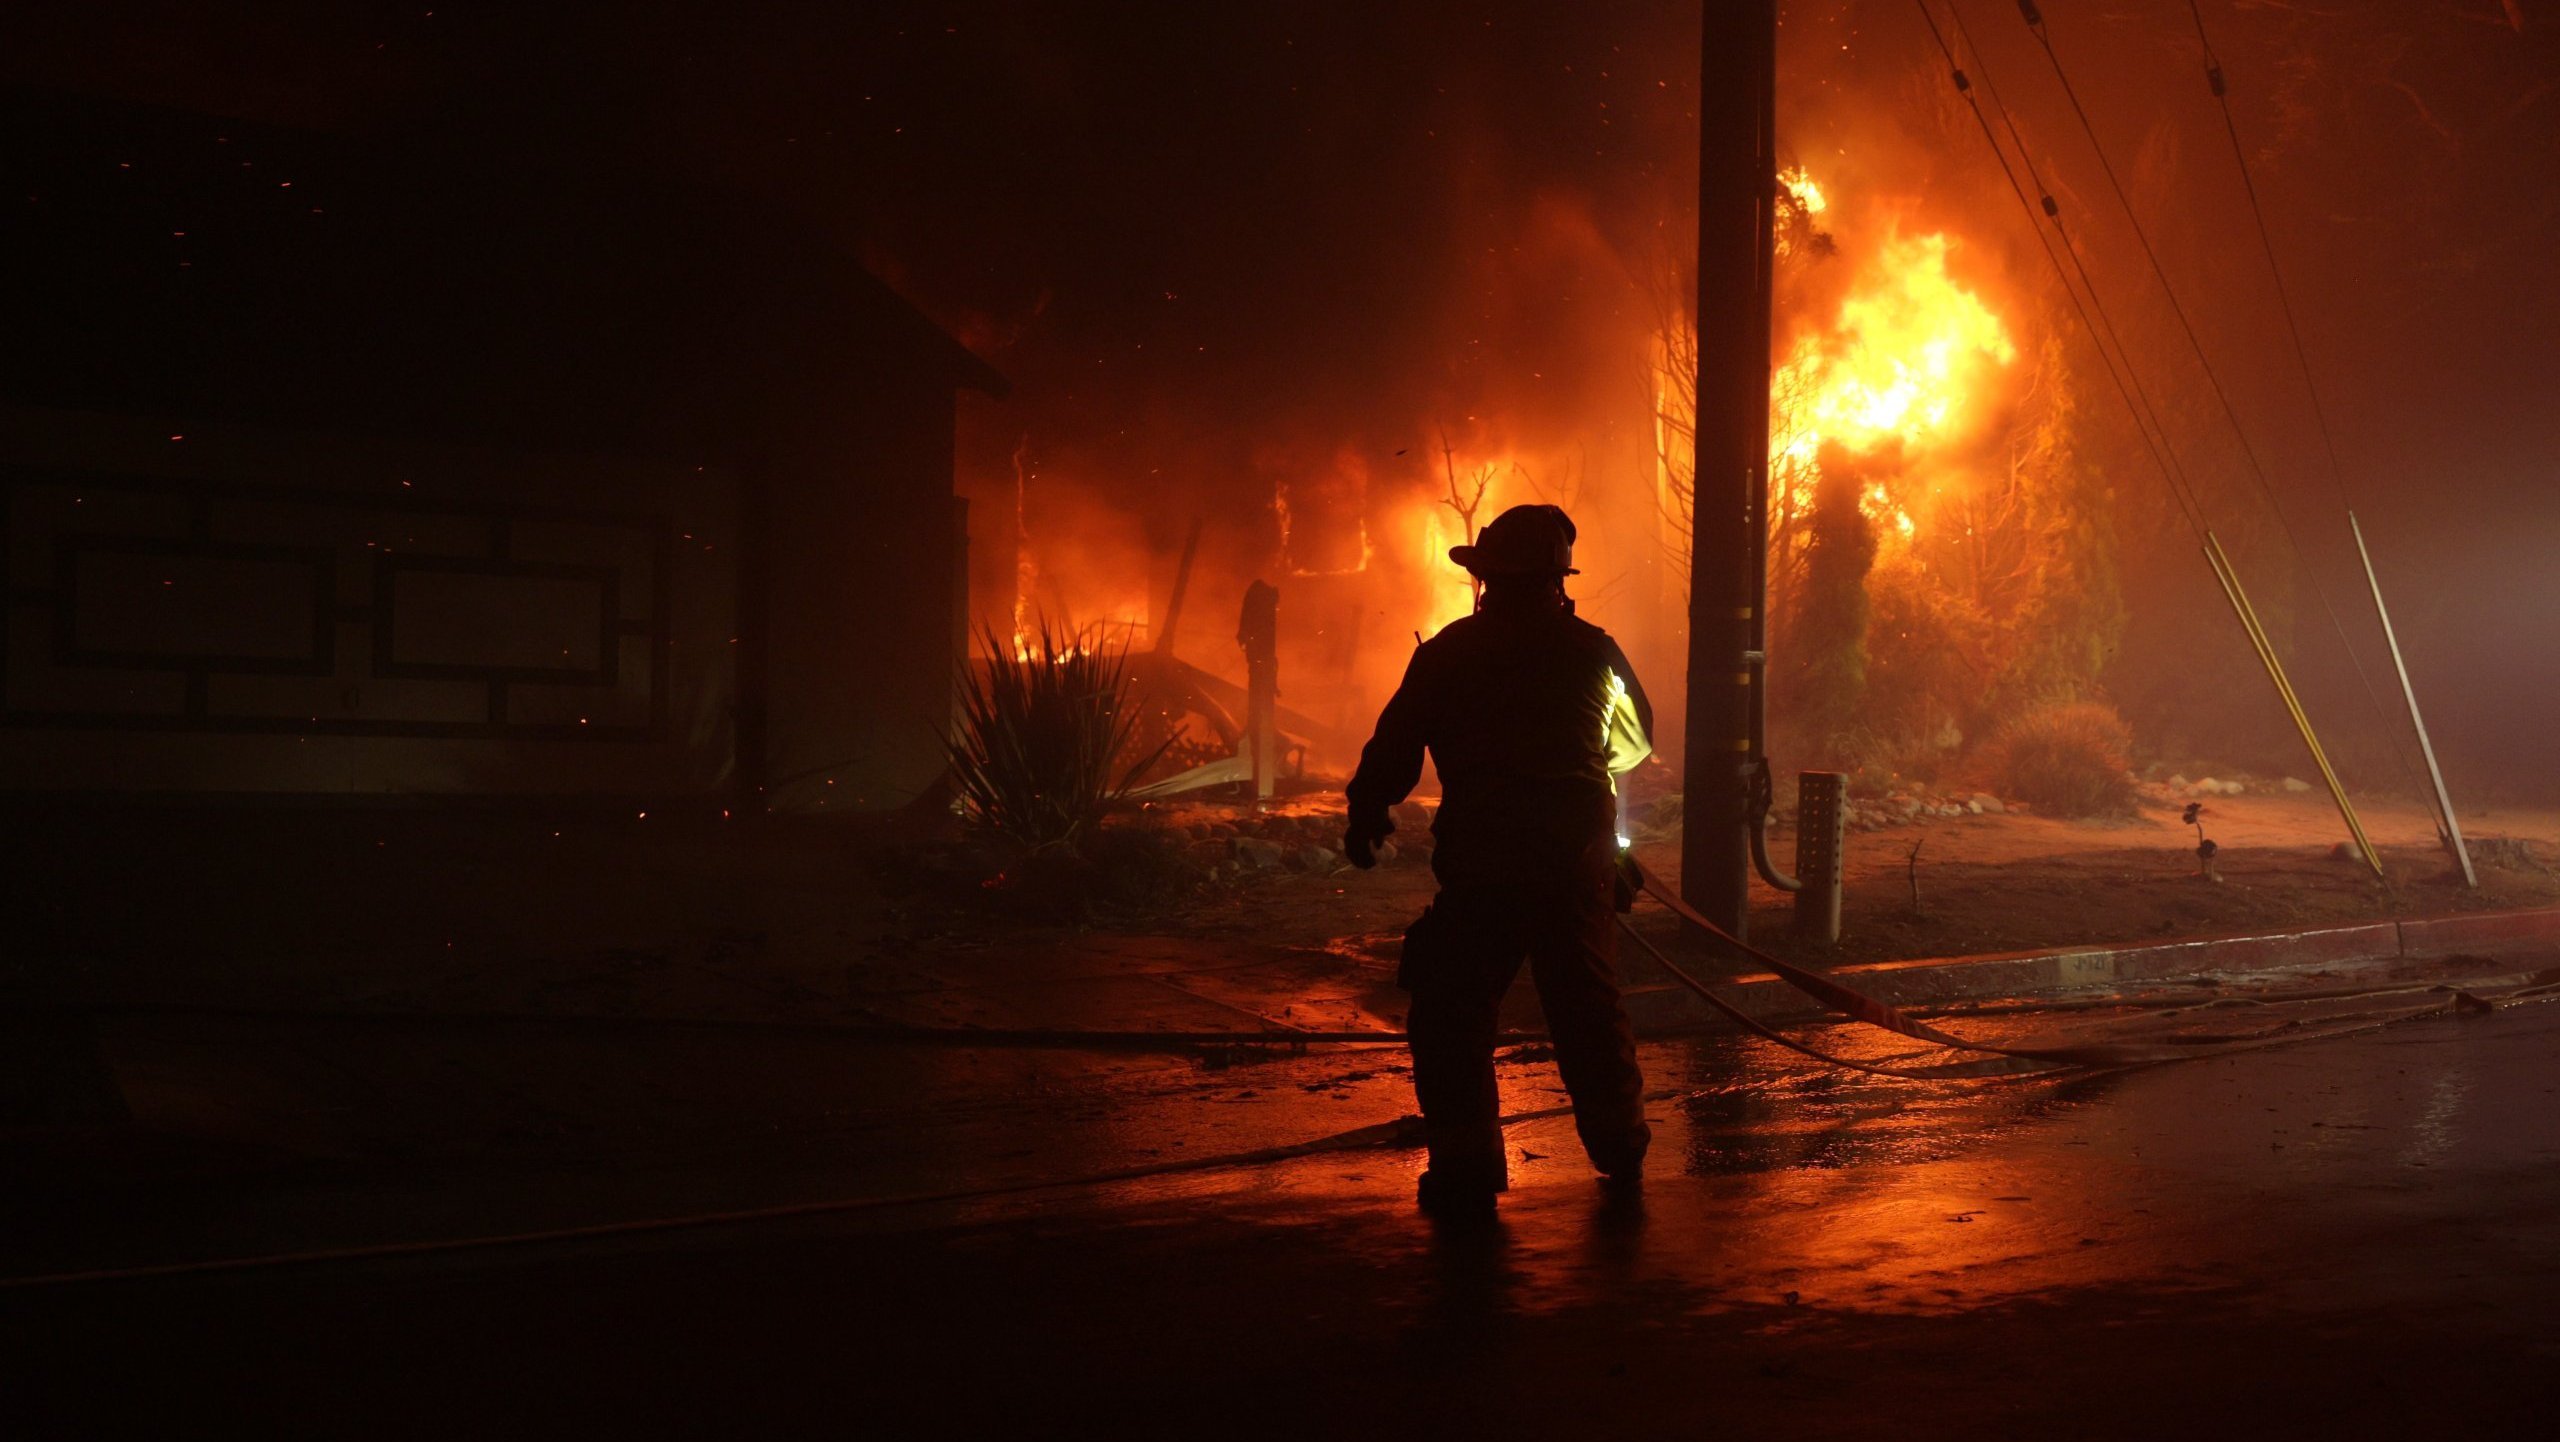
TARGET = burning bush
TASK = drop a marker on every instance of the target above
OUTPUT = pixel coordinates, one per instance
(1043, 729)
(2067, 758)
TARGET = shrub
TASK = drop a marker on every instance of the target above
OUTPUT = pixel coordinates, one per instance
(1929, 653)
(1042, 739)
(2065, 758)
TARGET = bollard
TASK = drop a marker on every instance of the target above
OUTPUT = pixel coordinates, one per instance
(1822, 830)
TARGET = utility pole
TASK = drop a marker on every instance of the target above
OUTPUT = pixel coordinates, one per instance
(1737, 187)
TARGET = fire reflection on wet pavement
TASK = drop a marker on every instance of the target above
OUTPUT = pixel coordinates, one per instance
(1775, 1182)
(2354, 1234)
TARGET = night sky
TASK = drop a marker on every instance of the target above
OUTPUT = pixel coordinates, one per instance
(1191, 234)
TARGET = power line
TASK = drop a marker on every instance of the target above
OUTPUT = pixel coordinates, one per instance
(2052, 209)
(2266, 244)
(2164, 451)
(2213, 379)
(2127, 382)
(2437, 800)
(2036, 26)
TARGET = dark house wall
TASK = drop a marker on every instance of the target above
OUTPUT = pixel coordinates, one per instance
(382, 296)
(261, 609)
(862, 556)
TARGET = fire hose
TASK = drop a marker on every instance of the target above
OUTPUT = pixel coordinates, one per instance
(1995, 1061)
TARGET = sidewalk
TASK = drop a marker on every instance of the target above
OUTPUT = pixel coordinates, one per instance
(2420, 949)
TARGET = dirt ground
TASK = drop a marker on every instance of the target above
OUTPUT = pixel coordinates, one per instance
(2011, 881)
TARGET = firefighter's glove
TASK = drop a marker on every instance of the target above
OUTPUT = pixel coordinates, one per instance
(1361, 835)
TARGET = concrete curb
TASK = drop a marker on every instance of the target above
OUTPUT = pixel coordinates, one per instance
(1658, 1008)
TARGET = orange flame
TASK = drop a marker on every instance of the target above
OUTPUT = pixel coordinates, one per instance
(1905, 360)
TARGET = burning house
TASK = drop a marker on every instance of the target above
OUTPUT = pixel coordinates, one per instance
(1924, 481)
(384, 467)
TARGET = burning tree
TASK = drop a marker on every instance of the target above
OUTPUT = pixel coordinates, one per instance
(1824, 680)
(2046, 568)
(1465, 502)
(1940, 553)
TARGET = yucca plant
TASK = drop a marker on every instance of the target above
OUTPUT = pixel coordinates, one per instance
(1043, 732)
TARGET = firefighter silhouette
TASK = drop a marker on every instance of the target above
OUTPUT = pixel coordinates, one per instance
(1528, 712)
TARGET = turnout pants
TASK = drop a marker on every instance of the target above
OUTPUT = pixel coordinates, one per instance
(1459, 959)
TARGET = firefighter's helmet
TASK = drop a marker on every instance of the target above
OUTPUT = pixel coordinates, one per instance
(1522, 541)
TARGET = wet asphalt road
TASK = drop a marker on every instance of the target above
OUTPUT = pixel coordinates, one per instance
(2354, 1237)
